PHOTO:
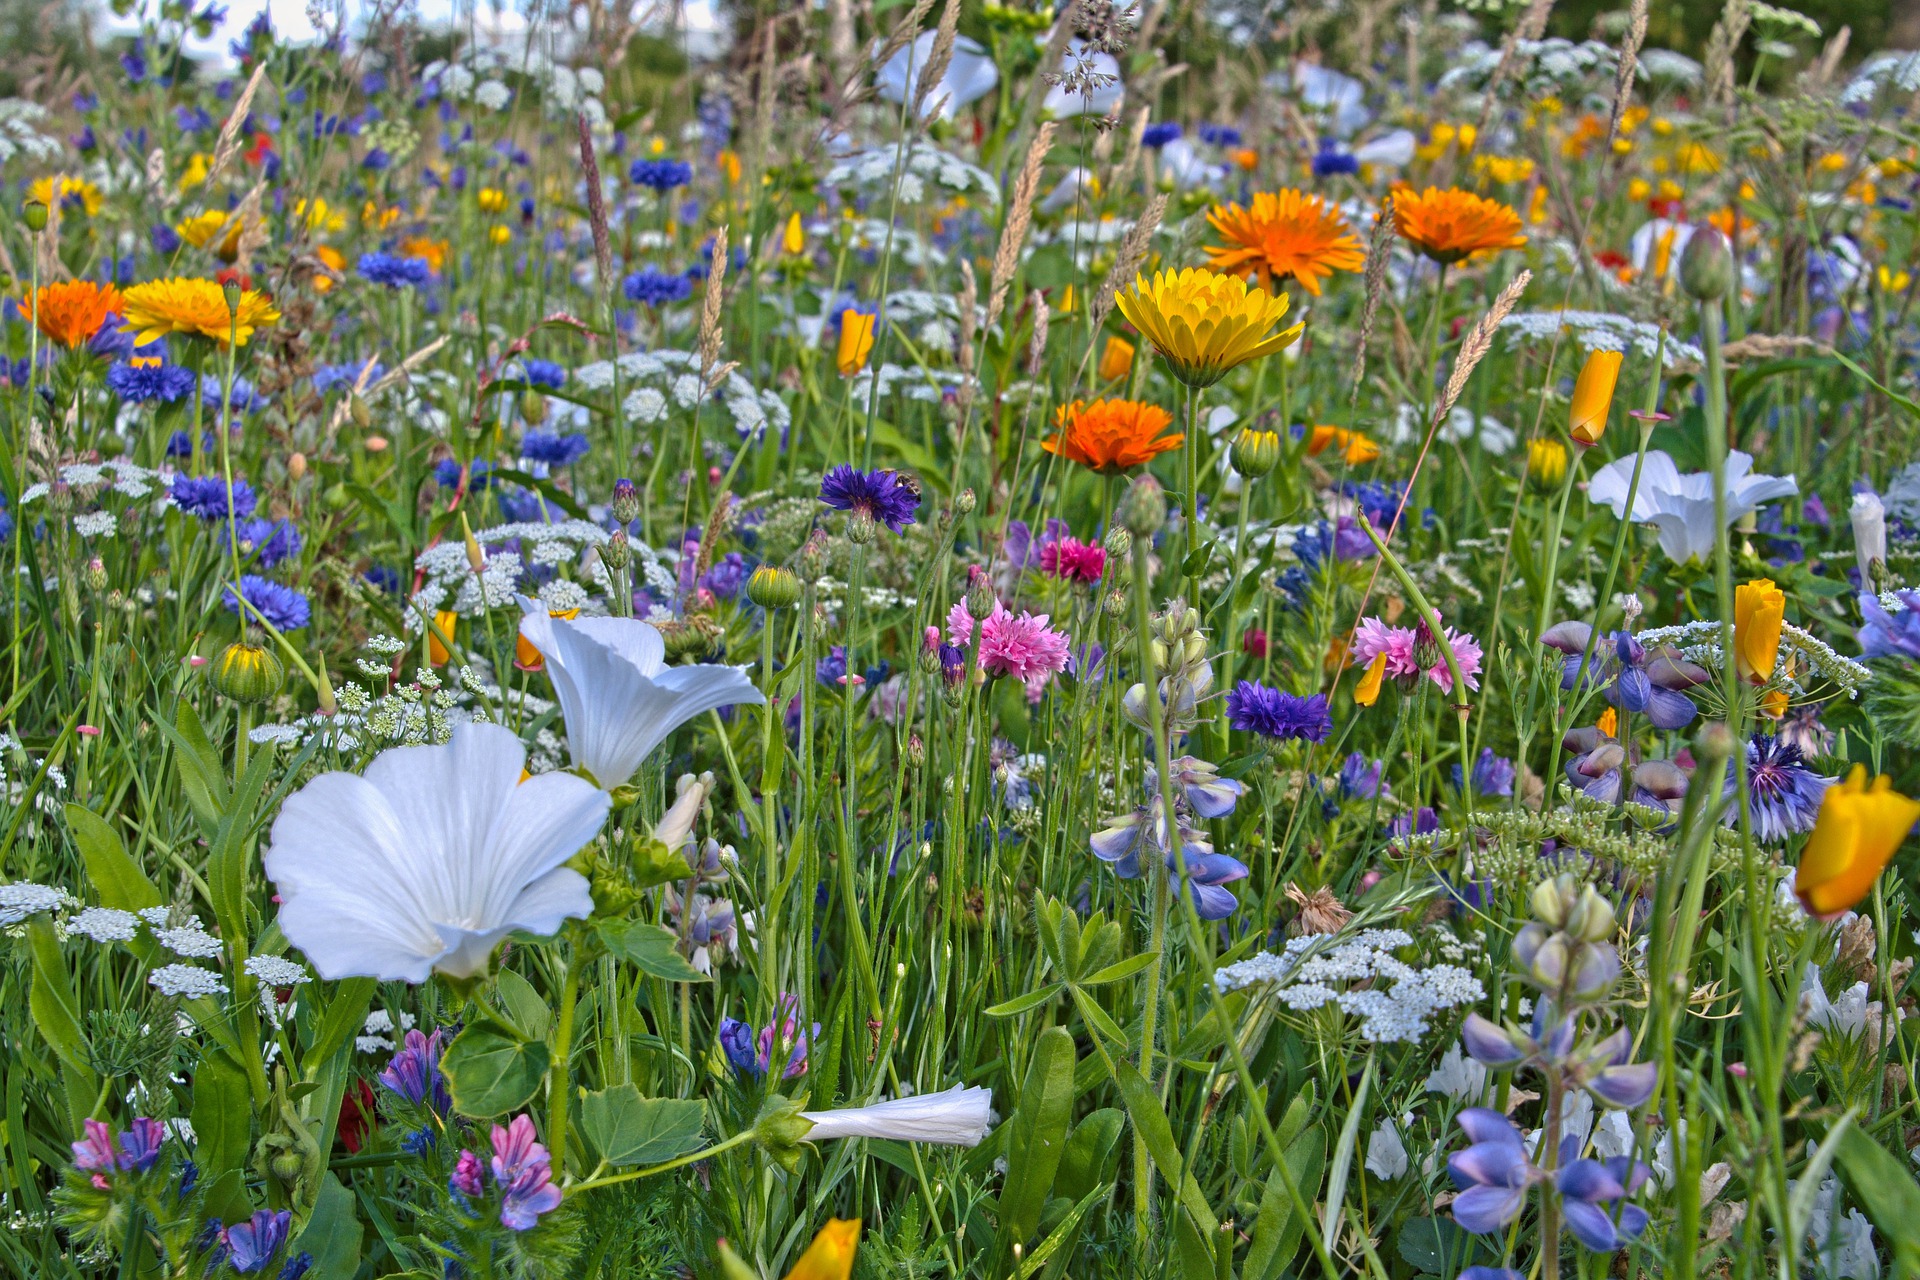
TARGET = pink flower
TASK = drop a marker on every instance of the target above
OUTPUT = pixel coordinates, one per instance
(1466, 652)
(1073, 560)
(1022, 647)
(1401, 645)
(959, 625)
(467, 1176)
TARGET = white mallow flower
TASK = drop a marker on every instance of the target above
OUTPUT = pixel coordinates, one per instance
(1458, 1076)
(1681, 507)
(1392, 150)
(619, 697)
(432, 858)
(1386, 1153)
(958, 1117)
(1869, 517)
(969, 77)
(1182, 164)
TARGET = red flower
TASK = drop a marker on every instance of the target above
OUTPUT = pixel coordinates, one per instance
(262, 148)
(356, 1116)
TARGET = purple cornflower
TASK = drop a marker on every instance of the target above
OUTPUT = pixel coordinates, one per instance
(250, 1245)
(726, 575)
(1360, 777)
(268, 541)
(524, 1173)
(1219, 135)
(880, 496)
(446, 474)
(280, 605)
(754, 1055)
(1330, 160)
(656, 288)
(394, 271)
(1783, 795)
(467, 1176)
(554, 450)
(414, 1072)
(206, 497)
(543, 373)
(1273, 713)
(1159, 134)
(661, 175)
(149, 381)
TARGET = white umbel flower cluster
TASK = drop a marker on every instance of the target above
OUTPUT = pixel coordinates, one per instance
(1313, 973)
(22, 901)
(188, 981)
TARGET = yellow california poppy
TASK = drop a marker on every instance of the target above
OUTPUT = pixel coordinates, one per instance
(1593, 396)
(1759, 611)
(1116, 359)
(830, 1256)
(1368, 691)
(1859, 829)
(856, 341)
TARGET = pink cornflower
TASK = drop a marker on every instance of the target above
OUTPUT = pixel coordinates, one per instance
(1021, 647)
(1401, 645)
(1073, 560)
(959, 625)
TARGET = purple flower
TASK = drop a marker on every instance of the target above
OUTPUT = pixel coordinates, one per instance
(755, 1055)
(1360, 777)
(1586, 1185)
(661, 175)
(394, 271)
(1493, 1174)
(250, 1245)
(1206, 872)
(726, 575)
(880, 496)
(95, 1152)
(1616, 1082)
(1272, 713)
(1128, 840)
(414, 1072)
(736, 1041)
(140, 1144)
(1210, 795)
(206, 497)
(1417, 822)
(1632, 679)
(543, 373)
(1160, 133)
(1219, 135)
(832, 669)
(466, 1179)
(149, 381)
(1594, 763)
(1023, 550)
(1492, 775)
(268, 541)
(1330, 160)
(282, 606)
(1890, 635)
(656, 288)
(524, 1172)
(1783, 795)
(554, 450)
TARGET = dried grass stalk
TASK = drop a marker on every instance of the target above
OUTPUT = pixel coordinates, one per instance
(1006, 257)
(1721, 46)
(1126, 262)
(596, 206)
(229, 143)
(938, 59)
(1629, 64)
(710, 304)
(1478, 342)
(1037, 348)
(969, 312)
(1379, 251)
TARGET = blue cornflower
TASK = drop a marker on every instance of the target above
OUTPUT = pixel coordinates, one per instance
(832, 669)
(165, 239)
(1219, 135)
(180, 444)
(543, 373)
(447, 473)
(727, 576)
(192, 119)
(1273, 713)
(329, 377)
(376, 161)
(268, 541)
(242, 398)
(1160, 134)
(1783, 794)
(206, 497)
(657, 288)
(383, 579)
(282, 606)
(662, 175)
(394, 271)
(881, 495)
(1360, 777)
(554, 450)
(144, 380)
(1329, 160)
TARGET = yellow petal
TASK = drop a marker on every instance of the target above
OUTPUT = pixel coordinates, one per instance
(830, 1256)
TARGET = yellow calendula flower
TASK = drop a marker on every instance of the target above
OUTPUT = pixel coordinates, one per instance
(333, 260)
(491, 199)
(1593, 396)
(500, 234)
(830, 1256)
(1504, 168)
(730, 165)
(1203, 323)
(204, 231)
(1354, 446)
(1859, 829)
(856, 341)
(1697, 157)
(194, 308)
(320, 216)
(71, 193)
(1759, 612)
(199, 164)
(1893, 281)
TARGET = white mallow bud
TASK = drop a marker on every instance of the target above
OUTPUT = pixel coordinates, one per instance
(958, 1117)
(677, 823)
(1869, 534)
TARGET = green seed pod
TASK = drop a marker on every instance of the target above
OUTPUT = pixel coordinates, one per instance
(1706, 265)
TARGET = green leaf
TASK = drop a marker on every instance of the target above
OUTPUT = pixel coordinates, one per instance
(1036, 1139)
(1058, 1247)
(1279, 1228)
(345, 1015)
(1439, 1247)
(1097, 1018)
(56, 1010)
(115, 876)
(492, 1072)
(202, 776)
(1150, 1122)
(1020, 1004)
(1090, 1150)
(526, 1006)
(332, 1234)
(1115, 972)
(1884, 1186)
(1196, 1256)
(626, 1128)
(223, 1127)
(648, 948)
(1343, 1162)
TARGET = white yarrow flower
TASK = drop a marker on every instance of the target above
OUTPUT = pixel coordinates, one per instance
(104, 924)
(277, 971)
(187, 980)
(618, 696)
(20, 902)
(431, 859)
(958, 1117)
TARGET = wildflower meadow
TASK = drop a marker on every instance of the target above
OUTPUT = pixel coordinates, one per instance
(960, 641)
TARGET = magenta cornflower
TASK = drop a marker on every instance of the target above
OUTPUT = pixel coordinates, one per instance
(1408, 659)
(1073, 560)
(1022, 647)
(960, 624)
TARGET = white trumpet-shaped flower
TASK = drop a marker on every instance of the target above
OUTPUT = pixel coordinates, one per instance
(431, 858)
(618, 696)
(958, 1117)
(970, 75)
(1681, 507)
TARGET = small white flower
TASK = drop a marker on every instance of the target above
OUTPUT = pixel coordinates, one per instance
(1681, 506)
(372, 1044)
(1386, 1153)
(1458, 1076)
(187, 980)
(155, 916)
(105, 924)
(20, 902)
(96, 524)
(189, 940)
(956, 1117)
(276, 971)
(493, 95)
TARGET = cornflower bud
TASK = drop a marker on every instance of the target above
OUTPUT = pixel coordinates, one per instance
(625, 503)
(95, 576)
(618, 552)
(980, 594)
(1119, 544)
(965, 502)
(1143, 508)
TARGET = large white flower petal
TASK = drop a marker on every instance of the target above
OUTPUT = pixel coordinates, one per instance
(545, 820)
(638, 642)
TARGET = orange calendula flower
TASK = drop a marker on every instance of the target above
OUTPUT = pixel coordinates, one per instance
(1593, 396)
(1116, 359)
(1284, 235)
(1759, 612)
(194, 308)
(1111, 436)
(434, 251)
(830, 1256)
(1452, 225)
(856, 341)
(1859, 829)
(1367, 692)
(1354, 445)
(72, 311)
(1204, 323)
(333, 260)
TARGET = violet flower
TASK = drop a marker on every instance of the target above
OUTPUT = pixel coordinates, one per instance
(1631, 677)
(414, 1072)
(524, 1172)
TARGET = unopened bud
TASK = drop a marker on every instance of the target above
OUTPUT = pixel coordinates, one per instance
(1115, 605)
(1713, 742)
(533, 407)
(916, 751)
(772, 587)
(231, 291)
(34, 212)
(297, 467)
(625, 503)
(980, 594)
(618, 551)
(862, 528)
(1706, 265)
(1254, 453)
(1119, 544)
(812, 561)
(247, 672)
(357, 409)
(1143, 508)
(965, 502)
(95, 576)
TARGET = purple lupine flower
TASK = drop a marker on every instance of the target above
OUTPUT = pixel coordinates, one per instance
(524, 1172)
(1276, 714)
(1631, 677)
(1492, 775)
(466, 1179)
(879, 495)
(249, 1246)
(1783, 795)
(1493, 1174)
(414, 1072)
(736, 1041)
(1211, 795)
(1126, 841)
(1618, 1083)
(1206, 872)
(1585, 1185)
(832, 669)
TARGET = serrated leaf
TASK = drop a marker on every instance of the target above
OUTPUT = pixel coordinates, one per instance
(627, 1129)
(490, 1071)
